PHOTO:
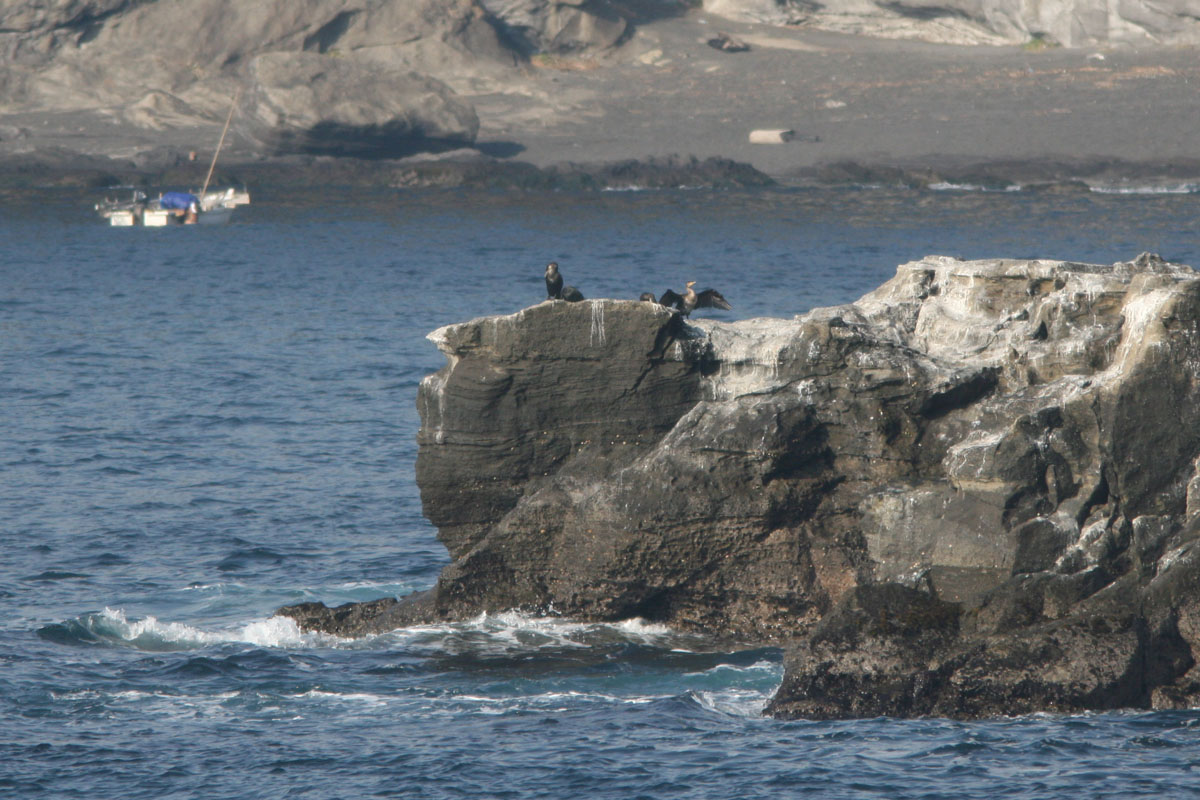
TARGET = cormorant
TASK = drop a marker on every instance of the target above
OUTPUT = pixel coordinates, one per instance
(690, 299)
(553, 281)
(647, 297)
(554, 286)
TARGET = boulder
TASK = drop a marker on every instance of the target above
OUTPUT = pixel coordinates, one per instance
(316, 104)
(971, 492)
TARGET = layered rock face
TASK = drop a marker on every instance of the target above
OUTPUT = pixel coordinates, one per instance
(1071, 23)
(161, 65)
(973, 491)
(158, 64)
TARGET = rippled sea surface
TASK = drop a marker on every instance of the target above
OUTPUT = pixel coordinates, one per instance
(198, 425)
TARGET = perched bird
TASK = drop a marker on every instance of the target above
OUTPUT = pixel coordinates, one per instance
(554, 286)
(648, 297)
(554, 281)
(690, 299)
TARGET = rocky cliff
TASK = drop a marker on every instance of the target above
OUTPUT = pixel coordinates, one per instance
(973, 491)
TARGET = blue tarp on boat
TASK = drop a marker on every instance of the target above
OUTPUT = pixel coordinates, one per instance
(178, 200)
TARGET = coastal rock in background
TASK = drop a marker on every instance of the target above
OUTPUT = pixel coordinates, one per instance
(128, 80)
(771, 12)
(971, 492)
(78, 56)
(315, 104)
(74, 55)
(570, 26)
(1070, 23)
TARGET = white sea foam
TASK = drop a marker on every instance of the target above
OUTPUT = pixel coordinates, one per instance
(640, 627)
(945, 186)
(150, 633)
(543, 702)
(207, 587)
(487, 634)
(1178, 188)
(510, 622)
(360, 698)
(511, 632)
(744, 703)
(763, 667)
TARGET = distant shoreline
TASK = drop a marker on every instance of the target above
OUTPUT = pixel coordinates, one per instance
(470, 169)
(861, 110)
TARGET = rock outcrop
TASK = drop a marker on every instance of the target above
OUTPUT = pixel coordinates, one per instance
(973, 491)
(158, 65)
(559, 26)
(309, 103)
(1070, 23)
(72, 55)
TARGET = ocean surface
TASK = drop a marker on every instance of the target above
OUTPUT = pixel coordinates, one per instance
(198, 425)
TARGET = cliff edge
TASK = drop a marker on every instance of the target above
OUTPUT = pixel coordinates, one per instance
(974, 491)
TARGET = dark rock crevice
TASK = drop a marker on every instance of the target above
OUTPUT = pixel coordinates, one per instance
(325, 37)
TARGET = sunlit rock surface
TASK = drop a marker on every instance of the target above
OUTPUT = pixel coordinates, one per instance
(1069, 23)
(973, 491)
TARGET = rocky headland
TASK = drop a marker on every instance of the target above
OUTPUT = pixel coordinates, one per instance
(974, 491)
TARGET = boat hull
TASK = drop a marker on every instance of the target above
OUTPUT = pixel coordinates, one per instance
(215, 208)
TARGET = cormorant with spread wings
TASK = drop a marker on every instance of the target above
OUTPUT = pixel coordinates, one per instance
(691, 299)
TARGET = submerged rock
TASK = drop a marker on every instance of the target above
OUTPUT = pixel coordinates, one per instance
(973, 491)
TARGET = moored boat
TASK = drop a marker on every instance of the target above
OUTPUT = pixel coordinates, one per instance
(212, 207)
(203, 207)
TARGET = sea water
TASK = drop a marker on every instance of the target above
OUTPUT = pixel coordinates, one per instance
(198, 425)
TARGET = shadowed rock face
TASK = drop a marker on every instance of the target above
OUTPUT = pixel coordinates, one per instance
(309, 103)
(973, 491)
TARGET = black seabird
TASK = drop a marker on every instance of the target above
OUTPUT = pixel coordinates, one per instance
(691, 299)
(554, 286)
(553, 281)
(647, 297)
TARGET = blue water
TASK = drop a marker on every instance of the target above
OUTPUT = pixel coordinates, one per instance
(202, 424)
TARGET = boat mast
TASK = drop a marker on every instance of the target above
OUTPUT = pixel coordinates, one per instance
(224, 130)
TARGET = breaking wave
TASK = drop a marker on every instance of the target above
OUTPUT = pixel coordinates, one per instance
(112, 626)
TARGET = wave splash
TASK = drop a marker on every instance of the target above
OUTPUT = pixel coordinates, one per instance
(524, 661)
(486, 634)
(112, 626)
